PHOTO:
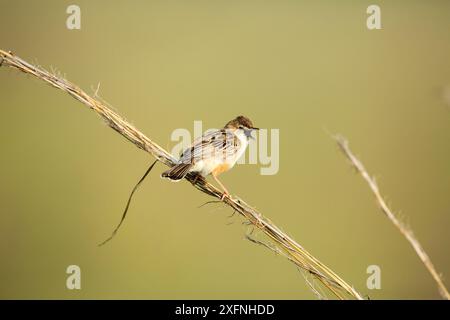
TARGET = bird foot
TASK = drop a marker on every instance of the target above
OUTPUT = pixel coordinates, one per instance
(225, 195)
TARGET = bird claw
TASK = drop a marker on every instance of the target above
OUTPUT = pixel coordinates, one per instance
(225, 195)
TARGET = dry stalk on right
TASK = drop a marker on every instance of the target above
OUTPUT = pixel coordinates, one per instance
(404, 230)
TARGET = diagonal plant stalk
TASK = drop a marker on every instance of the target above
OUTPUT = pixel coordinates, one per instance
(284, 244)
(404, 230)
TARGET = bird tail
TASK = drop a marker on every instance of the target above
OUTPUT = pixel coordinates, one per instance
(177, 172)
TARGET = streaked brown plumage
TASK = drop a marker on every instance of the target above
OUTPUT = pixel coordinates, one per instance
(214, 152)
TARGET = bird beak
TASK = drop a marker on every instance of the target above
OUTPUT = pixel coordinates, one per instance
(248, 132)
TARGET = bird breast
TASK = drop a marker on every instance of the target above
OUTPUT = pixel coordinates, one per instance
(218, 165)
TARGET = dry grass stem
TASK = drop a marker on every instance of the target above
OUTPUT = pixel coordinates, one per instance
(290, 248)
(404, 230)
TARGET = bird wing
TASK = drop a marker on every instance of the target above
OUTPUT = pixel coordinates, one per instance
(223, 144)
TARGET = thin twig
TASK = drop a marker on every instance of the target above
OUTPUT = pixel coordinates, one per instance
(124, 214)
(294, 251)
(209, 202)
(404, 230)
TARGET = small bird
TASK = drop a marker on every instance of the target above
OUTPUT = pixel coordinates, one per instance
(214, 152)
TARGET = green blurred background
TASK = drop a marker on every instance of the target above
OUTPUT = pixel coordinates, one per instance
(305, 67)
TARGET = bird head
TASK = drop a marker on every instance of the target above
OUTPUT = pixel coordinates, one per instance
(242, 123)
